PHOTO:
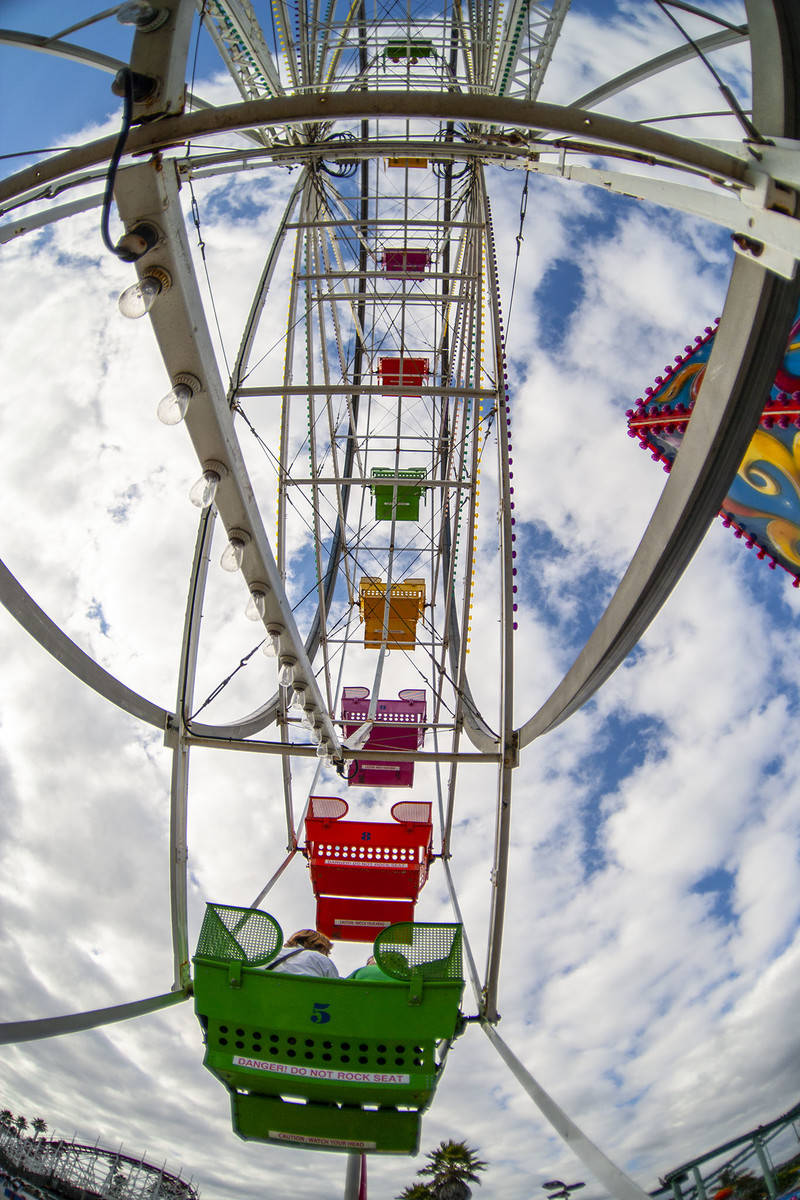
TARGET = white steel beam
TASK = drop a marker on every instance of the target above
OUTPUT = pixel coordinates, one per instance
(763, 213)
(47, 1027)
(149, 192)
(664, 62)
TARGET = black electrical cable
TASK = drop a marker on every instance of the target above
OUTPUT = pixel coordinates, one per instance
(523, 211)
(342, 171)
(126, 79)
(43, 150)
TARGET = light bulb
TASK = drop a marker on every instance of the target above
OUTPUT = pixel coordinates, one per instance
(257, 604)
(298, 699)
(309, 718)
(137, 12)
(172, 407)
(286, 665)
(272, 646)
(233, 553)
(323, 750)
(316, 735)
(204, 491)
(140, 297)
(144, 16)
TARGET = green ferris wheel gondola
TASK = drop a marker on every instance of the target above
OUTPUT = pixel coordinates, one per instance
(327, 1063)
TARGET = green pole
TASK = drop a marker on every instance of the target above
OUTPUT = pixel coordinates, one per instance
(766, 1168)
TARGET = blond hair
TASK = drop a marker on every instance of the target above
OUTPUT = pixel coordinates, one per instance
(310, 939)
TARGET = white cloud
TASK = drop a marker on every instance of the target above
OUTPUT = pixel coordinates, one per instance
(651, 945)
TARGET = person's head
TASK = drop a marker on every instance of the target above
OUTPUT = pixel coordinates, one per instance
(371, 960)
(310, 939)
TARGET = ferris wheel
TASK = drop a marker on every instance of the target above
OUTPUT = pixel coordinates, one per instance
(344, 465)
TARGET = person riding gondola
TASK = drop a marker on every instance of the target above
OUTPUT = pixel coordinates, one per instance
(306, 952)
(371, 971)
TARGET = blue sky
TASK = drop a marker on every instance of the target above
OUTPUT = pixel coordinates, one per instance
(651, 958)
(52, 97)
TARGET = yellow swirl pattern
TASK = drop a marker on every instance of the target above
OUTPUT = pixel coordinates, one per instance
(764, 448)
(785, 536)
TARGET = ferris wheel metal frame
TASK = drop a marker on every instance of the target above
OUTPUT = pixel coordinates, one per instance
(287, 117)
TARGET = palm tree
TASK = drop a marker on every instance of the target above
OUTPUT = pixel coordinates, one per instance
(6, 1118)
(452, 1166)
(416, 1191)
(21, 1123)
(39, 1126)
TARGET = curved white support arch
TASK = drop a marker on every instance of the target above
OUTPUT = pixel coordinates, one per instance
(47, 1027)
(37, 623)
(664, 62)
(602, 131)
(608, 1173)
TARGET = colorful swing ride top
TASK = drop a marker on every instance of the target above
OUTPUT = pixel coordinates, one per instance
(763, 503)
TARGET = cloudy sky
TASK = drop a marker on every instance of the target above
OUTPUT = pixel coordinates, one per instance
(651, 958)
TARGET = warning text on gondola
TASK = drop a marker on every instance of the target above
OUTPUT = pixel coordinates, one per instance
(256, 1064)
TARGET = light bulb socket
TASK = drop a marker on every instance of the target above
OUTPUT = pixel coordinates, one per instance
(190, 381)
(239, 535)
(142, 86)
(137, 241)
(159, 273)
(215, 467)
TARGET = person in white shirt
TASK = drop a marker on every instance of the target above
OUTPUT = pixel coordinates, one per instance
(306, 952)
